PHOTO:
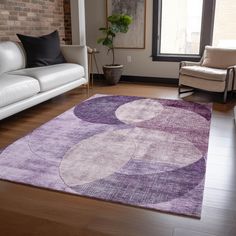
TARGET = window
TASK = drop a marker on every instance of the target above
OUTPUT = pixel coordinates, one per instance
(181, 28)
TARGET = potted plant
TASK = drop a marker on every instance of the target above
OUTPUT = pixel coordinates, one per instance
(117, 23)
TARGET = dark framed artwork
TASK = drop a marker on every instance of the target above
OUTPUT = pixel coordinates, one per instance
(135, 37)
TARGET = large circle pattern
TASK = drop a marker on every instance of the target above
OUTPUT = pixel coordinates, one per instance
(139, 110)
(97, 157)
(101, 110)
(148, 189)
(103, 154)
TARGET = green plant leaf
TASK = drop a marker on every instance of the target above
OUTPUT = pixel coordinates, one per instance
(102, 29)
(113, 18)
(100, 40)
(108, 42)
(115, 28)
(117, 23)
(127, 19)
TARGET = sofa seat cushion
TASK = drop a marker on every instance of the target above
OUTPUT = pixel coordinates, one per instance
(14, 88)
(50, 77)
(204, 72)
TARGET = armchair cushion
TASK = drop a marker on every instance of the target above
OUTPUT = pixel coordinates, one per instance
(204, 72)
(220, 58)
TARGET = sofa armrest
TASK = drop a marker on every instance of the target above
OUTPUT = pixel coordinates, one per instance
(76, 54)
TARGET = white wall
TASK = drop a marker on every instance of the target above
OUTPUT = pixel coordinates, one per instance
(142, 64)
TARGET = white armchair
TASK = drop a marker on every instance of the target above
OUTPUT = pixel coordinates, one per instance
(215, 72)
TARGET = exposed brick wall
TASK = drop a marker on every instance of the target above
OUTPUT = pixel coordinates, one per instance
(34, 17)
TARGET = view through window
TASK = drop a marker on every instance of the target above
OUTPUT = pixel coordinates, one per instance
(180, 26)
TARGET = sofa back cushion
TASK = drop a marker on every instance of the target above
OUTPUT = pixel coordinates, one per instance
(220, 58)
(12, 57)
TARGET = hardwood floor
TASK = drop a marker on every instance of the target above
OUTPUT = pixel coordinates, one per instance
(32, 211)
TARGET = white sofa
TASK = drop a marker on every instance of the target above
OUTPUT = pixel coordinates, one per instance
(21, 88)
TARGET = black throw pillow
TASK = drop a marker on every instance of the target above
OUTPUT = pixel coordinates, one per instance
(42, 51)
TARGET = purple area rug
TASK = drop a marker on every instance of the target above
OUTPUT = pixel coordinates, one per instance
(144, 152)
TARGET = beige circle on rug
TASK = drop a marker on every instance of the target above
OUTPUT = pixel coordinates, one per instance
(163, 147)
(138, 110)
(97, 157)
(103, 154)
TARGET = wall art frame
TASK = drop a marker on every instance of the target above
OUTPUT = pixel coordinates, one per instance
(135, 38)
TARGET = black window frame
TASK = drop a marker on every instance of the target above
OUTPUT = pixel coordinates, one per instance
(206, 37)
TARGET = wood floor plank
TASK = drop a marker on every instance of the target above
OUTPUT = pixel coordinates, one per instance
(222, 141)
(221, 199)
(183, 232)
